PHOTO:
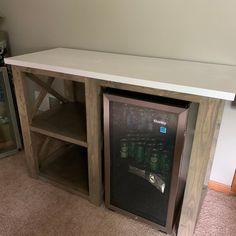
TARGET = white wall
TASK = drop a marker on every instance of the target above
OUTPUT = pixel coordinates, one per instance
(225, 157)
(187, 29)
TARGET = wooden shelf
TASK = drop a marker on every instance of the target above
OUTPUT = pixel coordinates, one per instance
(68, 168)
(66, 122)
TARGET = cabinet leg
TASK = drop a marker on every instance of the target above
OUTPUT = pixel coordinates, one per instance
(208, 121)
(94, 140)
(21, 95)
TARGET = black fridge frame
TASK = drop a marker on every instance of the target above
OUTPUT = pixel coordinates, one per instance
(181, 128)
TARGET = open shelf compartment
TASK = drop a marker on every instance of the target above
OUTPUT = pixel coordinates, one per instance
(57, 108)
(68, 167)
(66, 122)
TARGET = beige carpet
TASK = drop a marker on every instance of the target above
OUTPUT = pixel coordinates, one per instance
(32, 207)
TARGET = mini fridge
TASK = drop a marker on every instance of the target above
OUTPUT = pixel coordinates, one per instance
(146, 156)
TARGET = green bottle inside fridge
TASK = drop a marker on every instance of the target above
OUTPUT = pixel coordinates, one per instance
(154, 162)
(124, 148)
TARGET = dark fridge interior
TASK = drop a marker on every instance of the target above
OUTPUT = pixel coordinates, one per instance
(142, 141)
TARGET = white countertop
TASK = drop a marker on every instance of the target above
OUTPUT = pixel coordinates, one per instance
(209, 80)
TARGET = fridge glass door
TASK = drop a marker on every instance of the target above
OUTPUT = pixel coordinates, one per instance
(142, 144)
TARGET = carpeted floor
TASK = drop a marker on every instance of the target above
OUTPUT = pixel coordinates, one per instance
(32, 207)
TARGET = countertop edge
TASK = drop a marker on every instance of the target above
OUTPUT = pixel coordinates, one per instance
(126, 80)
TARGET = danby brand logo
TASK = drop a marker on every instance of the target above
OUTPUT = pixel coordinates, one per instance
(161, 122)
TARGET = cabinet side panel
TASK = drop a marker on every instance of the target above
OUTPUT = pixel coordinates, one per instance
(189, 134)
(21, 95)
(94, 140)
(209, 114)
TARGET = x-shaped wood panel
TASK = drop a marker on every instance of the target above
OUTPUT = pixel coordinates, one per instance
(45, 88)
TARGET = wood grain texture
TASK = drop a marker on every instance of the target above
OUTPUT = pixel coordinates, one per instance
(152, 91)
(43, 92)
(21, 96)
(68, 166)
(69, 90)
(48, 88)
(94, 137)
(214, 142)
(207, 120)
(52, 74)
(219, 187)
(66, 122)
(79, 92)
(43, 148)
(47, 146)
(63, 186)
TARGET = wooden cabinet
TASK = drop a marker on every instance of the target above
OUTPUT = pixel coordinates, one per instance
(57, 144)
(70, 132)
